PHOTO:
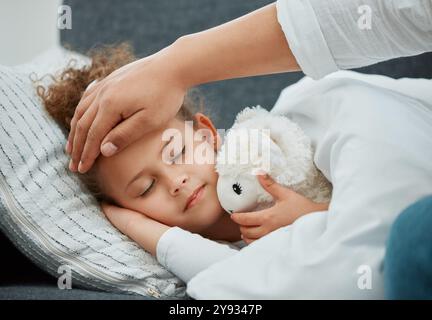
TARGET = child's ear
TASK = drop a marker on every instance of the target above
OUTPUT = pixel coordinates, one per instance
(203, 122)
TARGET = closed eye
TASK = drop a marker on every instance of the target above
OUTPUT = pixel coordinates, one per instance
(153, 181)
(147, 190)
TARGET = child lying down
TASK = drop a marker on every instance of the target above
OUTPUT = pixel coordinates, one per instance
(140, 180)
(149, 199)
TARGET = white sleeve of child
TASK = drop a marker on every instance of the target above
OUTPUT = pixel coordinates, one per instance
(325, 36)
(185, 254)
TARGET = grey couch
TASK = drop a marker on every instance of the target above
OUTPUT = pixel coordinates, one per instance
(150, 26)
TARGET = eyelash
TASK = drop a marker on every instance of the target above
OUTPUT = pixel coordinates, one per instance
(151, 185)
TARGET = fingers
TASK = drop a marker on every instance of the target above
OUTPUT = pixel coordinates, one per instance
(253, 232)
(80, 137)
(247, 240)
(248, 218)
(80, 110)
(92, 87)
(127, 131)
(119, 136)
(86, 101)
(104, 121)
(278, 191)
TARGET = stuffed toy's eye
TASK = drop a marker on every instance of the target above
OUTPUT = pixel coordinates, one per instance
(237, 189)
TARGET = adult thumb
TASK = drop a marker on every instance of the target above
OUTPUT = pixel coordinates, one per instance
(278, 191)
(124, 133)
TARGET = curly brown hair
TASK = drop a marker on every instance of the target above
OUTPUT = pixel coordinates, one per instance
(62, 96)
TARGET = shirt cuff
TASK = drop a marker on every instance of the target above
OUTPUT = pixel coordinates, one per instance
(185, 254)
(165, 242)
(305, 39)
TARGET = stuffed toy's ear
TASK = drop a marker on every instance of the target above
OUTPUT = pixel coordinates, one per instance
(250, 112)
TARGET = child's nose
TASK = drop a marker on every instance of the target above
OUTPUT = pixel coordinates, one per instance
(178, 184)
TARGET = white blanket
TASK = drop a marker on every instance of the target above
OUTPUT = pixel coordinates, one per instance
(375, 145)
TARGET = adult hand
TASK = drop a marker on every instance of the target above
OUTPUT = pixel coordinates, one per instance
(121, 108)
(289, 206)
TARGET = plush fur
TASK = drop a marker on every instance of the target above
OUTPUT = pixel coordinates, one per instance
(281, 149)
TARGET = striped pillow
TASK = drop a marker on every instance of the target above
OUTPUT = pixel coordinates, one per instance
(48, 213)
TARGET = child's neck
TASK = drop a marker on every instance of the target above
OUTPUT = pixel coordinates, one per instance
(224, 229)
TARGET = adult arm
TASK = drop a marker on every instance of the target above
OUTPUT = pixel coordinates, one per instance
(250, 45)
(317, 36)
(325, 36)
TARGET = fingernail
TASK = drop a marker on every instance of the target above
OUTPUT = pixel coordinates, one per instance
(80, 167)
(71, 165)
(108, 149)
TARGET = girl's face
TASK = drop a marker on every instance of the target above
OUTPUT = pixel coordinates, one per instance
(141, 179)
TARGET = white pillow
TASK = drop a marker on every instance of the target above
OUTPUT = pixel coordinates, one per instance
(375, 146)
(46, 210)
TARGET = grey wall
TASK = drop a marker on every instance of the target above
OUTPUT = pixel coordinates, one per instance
(27, 28)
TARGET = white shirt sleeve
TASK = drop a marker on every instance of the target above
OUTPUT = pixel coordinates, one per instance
(327, 35)
(374, 145)
(185, 254)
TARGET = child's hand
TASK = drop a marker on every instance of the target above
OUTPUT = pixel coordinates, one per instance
(288, 206)
(137, 226)
(121, 218)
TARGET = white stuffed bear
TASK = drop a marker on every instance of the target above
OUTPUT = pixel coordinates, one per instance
(266, 142)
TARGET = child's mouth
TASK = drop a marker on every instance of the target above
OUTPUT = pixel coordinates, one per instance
(196, 198)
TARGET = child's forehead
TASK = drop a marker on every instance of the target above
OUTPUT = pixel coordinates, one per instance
(176, 128)
(150, 143)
